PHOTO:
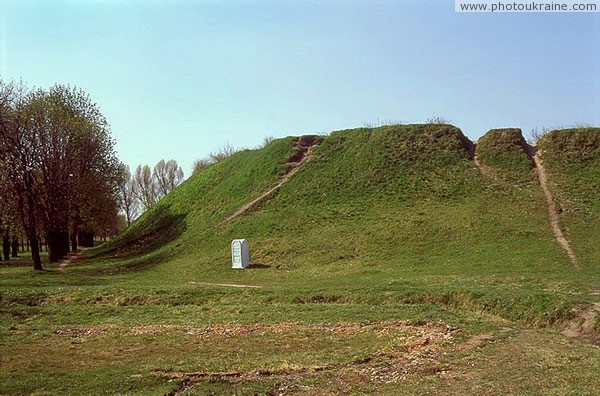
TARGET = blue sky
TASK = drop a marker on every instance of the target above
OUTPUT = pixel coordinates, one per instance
(178, 79)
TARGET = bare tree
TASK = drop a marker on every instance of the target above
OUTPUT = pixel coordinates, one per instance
(148, 187)
(437, 120)
(226, 151)
(266, 141)
(145, 186)
(536, 135)
(201, 164)
(128, 194)
(167, 175)
(216, 156)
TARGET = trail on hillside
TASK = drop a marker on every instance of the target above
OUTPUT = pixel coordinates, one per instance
(552, 211)
(293, 168)
(69, 258)
(483, 169)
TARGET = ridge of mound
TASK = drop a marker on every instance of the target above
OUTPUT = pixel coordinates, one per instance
(407, 195)
(401, 162)
(571, 158)
(505, 153)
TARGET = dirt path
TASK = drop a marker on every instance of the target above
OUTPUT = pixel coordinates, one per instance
(225, 285)
(552, 211)
(69, 258)
(483, 169)
(294, 167)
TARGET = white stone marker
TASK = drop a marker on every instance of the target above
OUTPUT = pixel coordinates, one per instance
(240, 254)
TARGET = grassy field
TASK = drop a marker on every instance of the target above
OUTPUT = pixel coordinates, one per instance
(389, 263)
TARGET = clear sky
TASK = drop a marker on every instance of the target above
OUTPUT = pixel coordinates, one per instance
(178, 79)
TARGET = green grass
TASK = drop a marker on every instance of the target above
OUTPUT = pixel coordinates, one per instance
(507, 153)
(381, 225)
(572, 158)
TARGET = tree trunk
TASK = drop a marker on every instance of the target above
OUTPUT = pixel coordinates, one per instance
(35, 252)
(15, 247)
(74, 241)
(31, 226)
(33, 240)
(75, 233)
(64, 239)
(54, 246)
(58, 245)
(6, 245)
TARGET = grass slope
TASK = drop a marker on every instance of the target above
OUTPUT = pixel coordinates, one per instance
(507, 153)
(387, 263)
(572, 158)
(400, 206)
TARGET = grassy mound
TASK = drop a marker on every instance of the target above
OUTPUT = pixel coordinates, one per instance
(405, 162)
(400, 207)
(572, 159)
(507, 153)
(204, 200)
(386, 248)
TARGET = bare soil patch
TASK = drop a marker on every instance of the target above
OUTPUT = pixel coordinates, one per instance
(423, 333)
(475, 342)
(423, 344)
(582, 325)
(552, 210)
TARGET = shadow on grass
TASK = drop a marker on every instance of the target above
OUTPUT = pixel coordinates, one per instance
(120, 265)
(144, 247)
(50, 277)
(258, 266)
(16, 262)
(160, 227)
(139, 248)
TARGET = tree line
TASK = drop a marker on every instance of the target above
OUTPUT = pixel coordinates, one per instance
(60, 179)
(59, 173)
(143, 189)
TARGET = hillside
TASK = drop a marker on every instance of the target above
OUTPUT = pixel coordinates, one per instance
(572, 158)
(399, 259)
(373, 208)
